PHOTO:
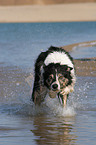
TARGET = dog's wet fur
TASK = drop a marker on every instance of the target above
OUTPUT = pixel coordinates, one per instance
(54, 75)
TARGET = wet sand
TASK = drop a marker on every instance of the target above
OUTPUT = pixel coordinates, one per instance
(49, 13)
(86, 66)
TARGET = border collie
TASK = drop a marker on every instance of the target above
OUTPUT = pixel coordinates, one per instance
(54, 75)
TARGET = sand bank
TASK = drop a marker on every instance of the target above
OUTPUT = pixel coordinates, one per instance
(49, 13)
(86, 66)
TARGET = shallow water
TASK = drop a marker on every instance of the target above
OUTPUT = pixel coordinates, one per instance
(20, 121)
(84, 52)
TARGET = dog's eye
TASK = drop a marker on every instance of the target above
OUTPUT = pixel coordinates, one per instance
(51, 77)
(61, 77)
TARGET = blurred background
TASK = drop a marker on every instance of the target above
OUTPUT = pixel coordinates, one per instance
(30, 2)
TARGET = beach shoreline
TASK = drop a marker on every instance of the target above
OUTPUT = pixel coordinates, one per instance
(48, 13)
(85, 66)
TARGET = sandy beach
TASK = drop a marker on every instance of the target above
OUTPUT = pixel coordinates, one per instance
(49, 13)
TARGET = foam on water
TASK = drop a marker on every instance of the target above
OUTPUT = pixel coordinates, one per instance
(48, 107)
(56, 108)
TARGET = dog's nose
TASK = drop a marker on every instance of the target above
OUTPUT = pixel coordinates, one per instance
(55, 86)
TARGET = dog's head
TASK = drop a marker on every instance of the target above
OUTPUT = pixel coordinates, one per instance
(57, 77)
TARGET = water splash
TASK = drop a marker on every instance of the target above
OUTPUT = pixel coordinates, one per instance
(15, 96)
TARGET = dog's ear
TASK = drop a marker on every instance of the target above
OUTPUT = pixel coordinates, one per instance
(41, 64)
(44, 66)
(69, 68)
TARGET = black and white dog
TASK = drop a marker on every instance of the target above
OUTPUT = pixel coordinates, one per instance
(54, 74)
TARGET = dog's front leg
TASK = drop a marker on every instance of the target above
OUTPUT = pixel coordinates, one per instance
(38, 95)
(64, 94)
(64, 100)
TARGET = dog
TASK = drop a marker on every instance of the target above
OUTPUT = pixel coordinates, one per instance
(54, 75)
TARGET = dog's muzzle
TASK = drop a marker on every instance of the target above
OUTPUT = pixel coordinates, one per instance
(55, 86)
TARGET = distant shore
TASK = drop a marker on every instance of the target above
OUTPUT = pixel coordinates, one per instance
(49, 13)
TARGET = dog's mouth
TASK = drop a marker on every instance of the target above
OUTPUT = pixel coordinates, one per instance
(54, 90)
(53, 94)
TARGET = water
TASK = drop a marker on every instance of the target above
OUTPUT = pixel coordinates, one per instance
(84, 52)
(20, 121)
(18, 41)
